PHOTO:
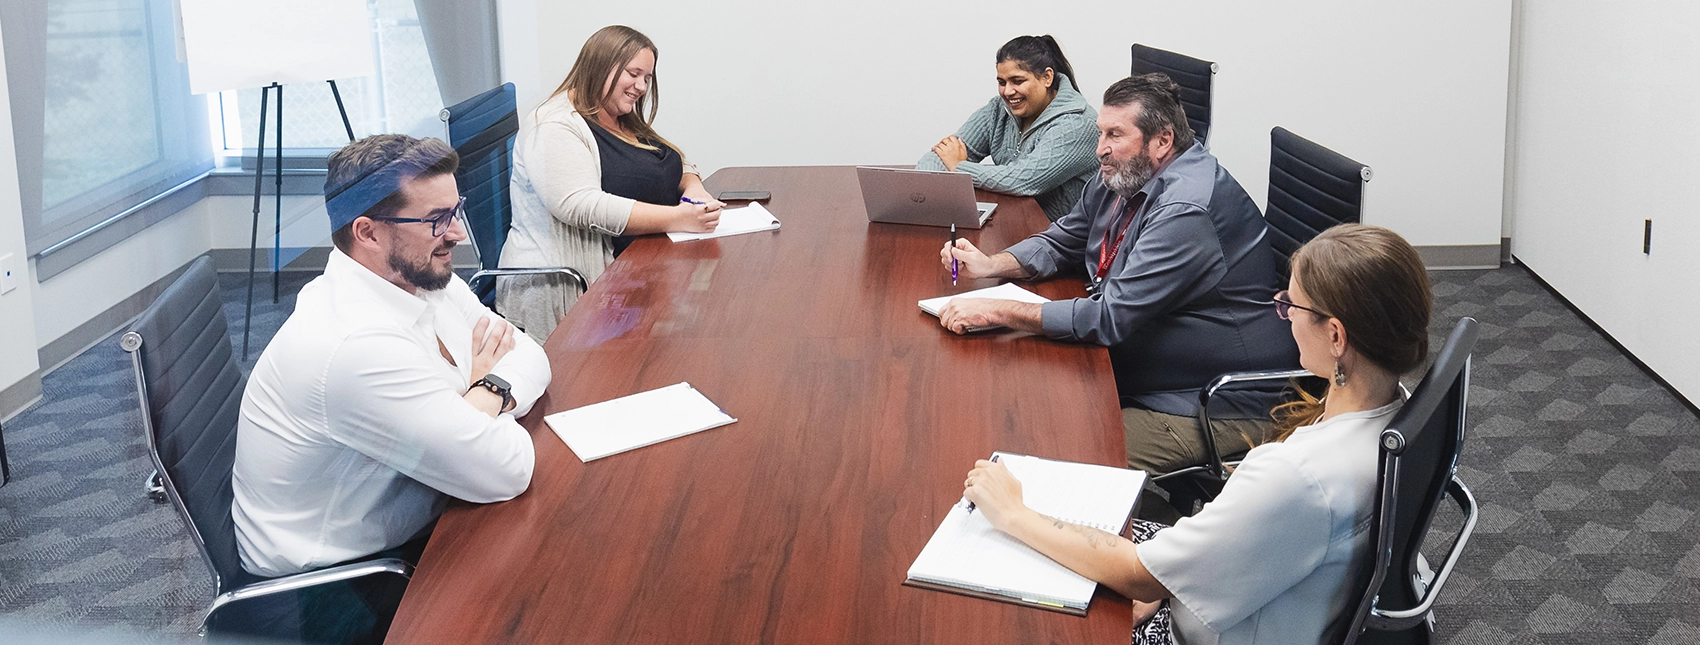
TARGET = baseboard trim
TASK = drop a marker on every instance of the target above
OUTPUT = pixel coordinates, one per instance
(74, 342)
(1460, 256)
(20, 396)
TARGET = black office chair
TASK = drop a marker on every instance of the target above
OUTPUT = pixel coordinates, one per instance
(1311, 189)
(482, 131)
(190, 389)
(1196, 77)
(1419, 465)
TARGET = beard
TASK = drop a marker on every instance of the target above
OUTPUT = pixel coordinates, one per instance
(422, 274)
(1127, 177)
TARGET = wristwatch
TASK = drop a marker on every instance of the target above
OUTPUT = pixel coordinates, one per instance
(499, 387)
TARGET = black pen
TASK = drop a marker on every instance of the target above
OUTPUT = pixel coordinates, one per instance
(994, 460)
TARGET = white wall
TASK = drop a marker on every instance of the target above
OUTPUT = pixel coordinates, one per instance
(1607, 137)
(231, 218)
(17, 309)
(80, 293)
(1415, 90)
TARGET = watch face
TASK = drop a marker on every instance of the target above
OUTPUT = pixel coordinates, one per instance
(497, 381)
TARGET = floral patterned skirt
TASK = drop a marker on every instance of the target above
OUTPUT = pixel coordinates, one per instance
(1157, 629)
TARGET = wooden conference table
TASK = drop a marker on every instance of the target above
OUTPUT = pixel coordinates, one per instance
(858, 418)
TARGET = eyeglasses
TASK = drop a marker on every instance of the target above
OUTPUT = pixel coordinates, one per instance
(439, 224)
(1284, 306)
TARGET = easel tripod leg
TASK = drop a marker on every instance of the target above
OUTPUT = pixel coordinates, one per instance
(254, 233)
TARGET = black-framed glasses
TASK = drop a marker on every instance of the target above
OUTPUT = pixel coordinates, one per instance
(439, 224)
(1284, 306)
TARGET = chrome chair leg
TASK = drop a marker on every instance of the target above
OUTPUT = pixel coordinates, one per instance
(155, 487)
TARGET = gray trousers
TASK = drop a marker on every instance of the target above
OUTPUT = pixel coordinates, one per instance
(1160, 443)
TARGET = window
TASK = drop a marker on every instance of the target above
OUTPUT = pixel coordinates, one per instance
(402, 97)
(101, 108)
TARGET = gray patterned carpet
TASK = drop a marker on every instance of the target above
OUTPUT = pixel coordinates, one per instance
(1584, 466)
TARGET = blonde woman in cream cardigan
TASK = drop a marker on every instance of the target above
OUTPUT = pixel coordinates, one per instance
(592, 169)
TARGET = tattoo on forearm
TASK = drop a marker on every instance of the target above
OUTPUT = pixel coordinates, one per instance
(1094, 537)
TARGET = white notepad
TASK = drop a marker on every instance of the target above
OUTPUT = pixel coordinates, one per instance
(612, 427)
(1005, 291)
(734, 221)
(966, 555)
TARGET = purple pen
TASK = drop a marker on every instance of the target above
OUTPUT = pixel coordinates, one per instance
(953, 264)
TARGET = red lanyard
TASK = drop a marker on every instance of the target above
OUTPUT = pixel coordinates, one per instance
(1107, 252)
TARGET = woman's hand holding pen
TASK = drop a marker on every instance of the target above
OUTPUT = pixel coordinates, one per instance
(995, 492)
(697, 195)
(696, 216)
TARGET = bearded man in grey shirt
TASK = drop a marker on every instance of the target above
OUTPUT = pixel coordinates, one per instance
(1181, 277)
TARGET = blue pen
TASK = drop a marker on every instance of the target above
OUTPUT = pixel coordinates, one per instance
(688, 200)
(953, 263)
(994, 460)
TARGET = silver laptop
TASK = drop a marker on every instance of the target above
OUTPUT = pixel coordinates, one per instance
(931, 198)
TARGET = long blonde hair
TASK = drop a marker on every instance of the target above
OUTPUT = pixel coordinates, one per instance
(1373, 282)
(607, 51)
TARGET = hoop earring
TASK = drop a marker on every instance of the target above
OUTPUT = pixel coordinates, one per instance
(1339, 375)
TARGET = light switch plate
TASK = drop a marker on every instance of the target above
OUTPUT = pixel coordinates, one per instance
(8, 272)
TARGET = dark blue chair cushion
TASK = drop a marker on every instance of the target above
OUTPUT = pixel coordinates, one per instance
(482, 131)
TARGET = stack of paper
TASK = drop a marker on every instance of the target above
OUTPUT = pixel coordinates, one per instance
(734, 221)
(966, 555)
(612, 427)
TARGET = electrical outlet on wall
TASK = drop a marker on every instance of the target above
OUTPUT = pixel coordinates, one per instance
(8, 272)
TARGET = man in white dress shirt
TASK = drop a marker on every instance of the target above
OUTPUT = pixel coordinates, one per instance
(389, 389)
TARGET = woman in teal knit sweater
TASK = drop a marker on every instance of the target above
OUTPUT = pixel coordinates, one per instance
(1038, 137)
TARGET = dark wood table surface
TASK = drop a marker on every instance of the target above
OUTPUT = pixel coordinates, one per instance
(858, 417)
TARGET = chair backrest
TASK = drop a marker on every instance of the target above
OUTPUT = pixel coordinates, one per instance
(1311, 189)
(1196, 78)
(190, 389)
(1419, 456)
(482, 131)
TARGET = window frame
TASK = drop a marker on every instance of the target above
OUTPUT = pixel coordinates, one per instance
(185, 154)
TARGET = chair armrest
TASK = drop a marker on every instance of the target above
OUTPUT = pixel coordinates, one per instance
(1404, 619)
(307, 579)
(1215, 467)
(578, 278)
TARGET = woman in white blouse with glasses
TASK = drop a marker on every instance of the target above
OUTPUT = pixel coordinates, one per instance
(1269, 560)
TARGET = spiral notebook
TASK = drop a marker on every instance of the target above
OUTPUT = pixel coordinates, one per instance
(967, 556)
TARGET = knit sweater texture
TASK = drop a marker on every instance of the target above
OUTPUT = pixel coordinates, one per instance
(1051, 160)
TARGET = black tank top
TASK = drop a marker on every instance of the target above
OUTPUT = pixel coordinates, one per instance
(650, 176)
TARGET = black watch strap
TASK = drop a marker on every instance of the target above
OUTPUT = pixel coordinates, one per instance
(498, 386)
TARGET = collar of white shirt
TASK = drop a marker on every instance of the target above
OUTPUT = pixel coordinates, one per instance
(372, 294)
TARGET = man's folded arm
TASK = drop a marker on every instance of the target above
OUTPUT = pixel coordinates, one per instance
(393, 404)
(525, 367)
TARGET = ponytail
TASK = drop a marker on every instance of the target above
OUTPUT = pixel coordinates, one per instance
(1036, 53)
